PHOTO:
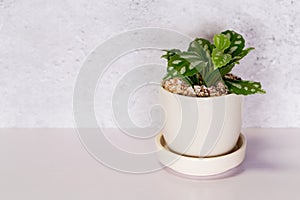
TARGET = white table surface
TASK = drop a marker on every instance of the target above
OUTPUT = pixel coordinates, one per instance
(42, 164)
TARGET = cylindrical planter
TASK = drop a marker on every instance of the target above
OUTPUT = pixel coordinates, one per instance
(201, 126)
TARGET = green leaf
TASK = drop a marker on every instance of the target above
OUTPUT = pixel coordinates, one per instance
(175, 64)
(185, 79)
(219, 58)
(244, 87)
(170, 53)
(213, 78)
(205, 44)
(221, 42)
(196, 62)
(172, 74)
(243, 54)
(237, 43)
(202, 48)
(178, 65)
(198, 58)
(226, 69)
(235, 50)
(206, 63)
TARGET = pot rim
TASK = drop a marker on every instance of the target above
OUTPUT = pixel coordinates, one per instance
(199, 98)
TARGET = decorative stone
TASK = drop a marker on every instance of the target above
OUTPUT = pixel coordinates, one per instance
(178, 86)
(201, 91)
(218, 90)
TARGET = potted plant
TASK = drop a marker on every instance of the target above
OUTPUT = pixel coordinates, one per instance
(202, 101)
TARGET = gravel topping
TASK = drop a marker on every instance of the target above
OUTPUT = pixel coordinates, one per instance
(178, 86)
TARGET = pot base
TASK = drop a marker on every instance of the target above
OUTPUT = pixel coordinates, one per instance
(204, 166)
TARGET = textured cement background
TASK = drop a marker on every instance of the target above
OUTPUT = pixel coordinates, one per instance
(43, 44)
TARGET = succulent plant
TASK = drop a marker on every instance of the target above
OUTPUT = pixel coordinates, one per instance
(206, 63)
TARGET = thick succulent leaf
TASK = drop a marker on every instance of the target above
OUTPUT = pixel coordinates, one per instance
(221, 42)
(244, 87)
(237, 43)
(205, 44)
(219, 58)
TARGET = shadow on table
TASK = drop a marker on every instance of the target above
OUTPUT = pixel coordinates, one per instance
(257, 158)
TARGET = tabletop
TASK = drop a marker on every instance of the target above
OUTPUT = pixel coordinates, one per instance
(54, 164)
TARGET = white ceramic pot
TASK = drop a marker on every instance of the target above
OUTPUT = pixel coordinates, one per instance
(201, 127)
